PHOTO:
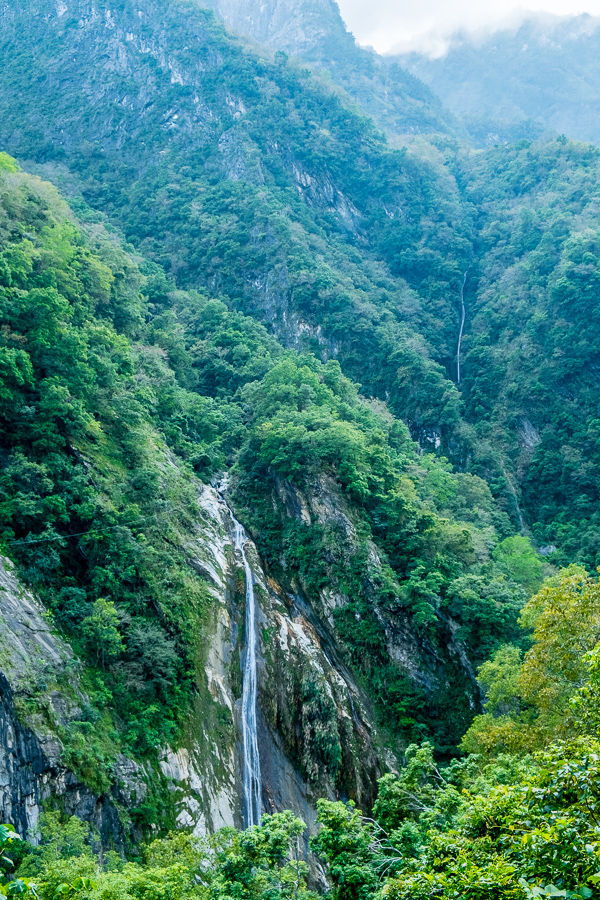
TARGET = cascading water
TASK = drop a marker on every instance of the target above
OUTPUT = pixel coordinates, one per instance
(462, 326)
(252, 781)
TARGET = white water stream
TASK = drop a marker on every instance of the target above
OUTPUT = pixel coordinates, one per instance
(462, 327)
(252, 780)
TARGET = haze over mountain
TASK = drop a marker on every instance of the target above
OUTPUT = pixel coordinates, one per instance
(523, 80)
(315, 31)
(543, 75)
(426, 27)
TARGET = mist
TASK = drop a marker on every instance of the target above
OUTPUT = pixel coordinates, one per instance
(392, 26)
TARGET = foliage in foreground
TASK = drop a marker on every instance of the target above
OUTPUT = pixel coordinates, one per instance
(511, 829)
(508, 829)
(507, 823)
(501, 826)
(263, 861)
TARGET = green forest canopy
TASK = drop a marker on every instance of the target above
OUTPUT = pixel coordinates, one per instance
(508, 821)
(286, 308)
(287, 204)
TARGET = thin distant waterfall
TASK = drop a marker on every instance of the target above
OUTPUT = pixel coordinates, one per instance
(252, 781)
(462, 327)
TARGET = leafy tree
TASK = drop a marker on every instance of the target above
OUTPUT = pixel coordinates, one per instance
(263, 861)
(346, 843)
(9, 886)
(532, 838)
(530, 703)
(519, 561)
(100, 632)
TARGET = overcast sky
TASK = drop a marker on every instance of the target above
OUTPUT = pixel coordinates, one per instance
(388, 24)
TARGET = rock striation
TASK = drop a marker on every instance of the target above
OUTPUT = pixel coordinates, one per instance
(36, 663)
(41, 695)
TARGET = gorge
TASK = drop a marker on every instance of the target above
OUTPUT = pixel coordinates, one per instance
(299, 467)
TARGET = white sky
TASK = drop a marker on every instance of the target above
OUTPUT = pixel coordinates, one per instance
(423, 24)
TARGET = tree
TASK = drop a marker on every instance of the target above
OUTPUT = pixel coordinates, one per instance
(345, 842)
(100, 632)
(565, 617)
(530, 704)
(519, 560)
(264, 861)
(12, 887)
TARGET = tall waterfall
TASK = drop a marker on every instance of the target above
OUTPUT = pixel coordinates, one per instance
(462, 326)
(252, 781)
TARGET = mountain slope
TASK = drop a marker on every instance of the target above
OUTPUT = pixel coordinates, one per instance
(118, 392)
(245, 176)
(531, 356)
(304, 219)
(278, 251)
(134, 559)
(398, 102)
(541, 76)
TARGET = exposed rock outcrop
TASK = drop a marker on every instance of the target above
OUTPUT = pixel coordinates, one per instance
(299, 670)
(426, 664)
(34, 663)
(295, 655)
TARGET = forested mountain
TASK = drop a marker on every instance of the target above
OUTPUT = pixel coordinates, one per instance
(294, 425)
(118, 392)
(399, 103)
(313, 224)
(540, 77)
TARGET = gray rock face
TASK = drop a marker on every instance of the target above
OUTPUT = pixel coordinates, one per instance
(23, 765)
(40, 696)
(424, 663)
(297, 648)
(31, 656)
(294, 26)
(27, 645)
(399, 103)
(29, 776)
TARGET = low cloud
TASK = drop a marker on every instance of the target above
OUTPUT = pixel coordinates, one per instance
(392, 26)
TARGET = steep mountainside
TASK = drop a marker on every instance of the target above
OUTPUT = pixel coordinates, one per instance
(247, 248)
(250, 178)
(381, 578)
(543, 76)
(530, 377)
(399, 103)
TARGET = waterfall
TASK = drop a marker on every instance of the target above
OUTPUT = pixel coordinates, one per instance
(462, 327)
(252, 781)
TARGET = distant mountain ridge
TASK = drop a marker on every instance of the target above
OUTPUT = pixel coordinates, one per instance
(294, 26)
(399, 103)
(540, 77)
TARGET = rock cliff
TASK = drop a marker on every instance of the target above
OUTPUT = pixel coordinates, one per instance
(399, 103)
(300, 673)
(40, 695)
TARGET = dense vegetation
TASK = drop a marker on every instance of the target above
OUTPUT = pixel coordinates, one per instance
(86, 499)
(508, 821)
(107, 371)
(253, 181)
(531, 354)
(398, 102)
(249, 280)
